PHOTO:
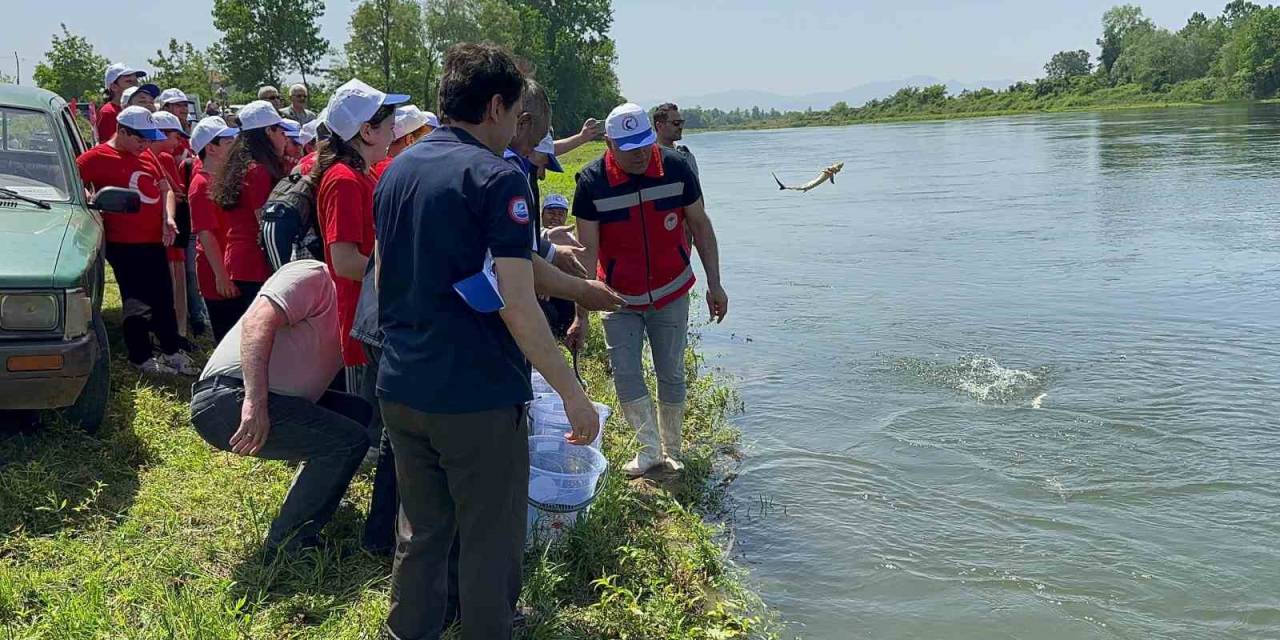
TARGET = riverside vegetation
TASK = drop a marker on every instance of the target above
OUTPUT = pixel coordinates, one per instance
(145, 531)
(1231, 58)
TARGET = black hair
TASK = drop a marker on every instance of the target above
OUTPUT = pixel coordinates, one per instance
(472, 75)
(332, 149)
(664, 110)
(253, 146)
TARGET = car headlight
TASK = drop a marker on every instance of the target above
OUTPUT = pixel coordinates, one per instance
(29, 312)
(79, 314)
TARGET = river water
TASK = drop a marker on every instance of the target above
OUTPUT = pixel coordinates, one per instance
(1008, 378)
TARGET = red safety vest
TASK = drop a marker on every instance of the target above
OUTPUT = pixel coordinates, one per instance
(644, 252)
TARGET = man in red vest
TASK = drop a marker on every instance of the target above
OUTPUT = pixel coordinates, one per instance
(632, 207)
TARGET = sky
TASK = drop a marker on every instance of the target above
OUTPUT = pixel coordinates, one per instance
(670, 48)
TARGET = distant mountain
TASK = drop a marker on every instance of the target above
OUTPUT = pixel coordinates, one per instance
(855, 97)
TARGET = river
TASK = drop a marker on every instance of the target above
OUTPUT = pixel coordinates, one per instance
(1007, 378)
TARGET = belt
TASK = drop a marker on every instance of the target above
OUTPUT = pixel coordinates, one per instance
(216, 381)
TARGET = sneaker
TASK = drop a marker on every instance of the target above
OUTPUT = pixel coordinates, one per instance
(182, 363)
(154, 366)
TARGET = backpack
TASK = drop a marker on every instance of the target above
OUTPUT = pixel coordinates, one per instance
(288, 228)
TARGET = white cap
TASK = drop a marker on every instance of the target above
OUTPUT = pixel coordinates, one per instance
(628, 126)
(408, 119)
(548, 146)
(308, 132)
(353, 104)
(149, 89)
(290, 126)
(170, 96)
(555, 201)
(258, 114)
(166, 121)
(141, 120)
(208, 129)
(119, 69)
(432, 120)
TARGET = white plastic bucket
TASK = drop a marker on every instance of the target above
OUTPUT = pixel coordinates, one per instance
(547, 418)
(564, 480)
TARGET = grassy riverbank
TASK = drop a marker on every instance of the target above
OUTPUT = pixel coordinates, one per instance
(146, 532)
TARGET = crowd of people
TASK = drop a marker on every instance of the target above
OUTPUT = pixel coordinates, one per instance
(378, 281)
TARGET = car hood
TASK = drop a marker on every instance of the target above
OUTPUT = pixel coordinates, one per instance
(30, 243)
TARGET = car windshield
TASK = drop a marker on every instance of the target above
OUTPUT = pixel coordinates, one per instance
(31, 155)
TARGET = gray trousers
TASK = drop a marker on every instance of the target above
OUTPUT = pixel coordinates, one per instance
(326, 437)
(668, 331)
(467, 476)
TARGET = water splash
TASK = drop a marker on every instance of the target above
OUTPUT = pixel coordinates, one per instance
(980, 377)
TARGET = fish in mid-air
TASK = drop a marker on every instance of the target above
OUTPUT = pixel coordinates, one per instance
(828, 175)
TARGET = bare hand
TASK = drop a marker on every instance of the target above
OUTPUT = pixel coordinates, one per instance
(566, 260)
(586, 422)
(226, 288)
(717, 303)
(597, 296)
(576, 338)
(170, 231)
(592, 129)
(253, 431)
(563, 237)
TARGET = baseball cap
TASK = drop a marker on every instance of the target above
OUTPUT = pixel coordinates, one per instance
(291, 126)
(170, 96)
(555, 201)
(119, 69)
(258, 114)
(353, 104)
(308, 132)
(432, 119)
(141, 120)
(628, 127)
(548, 146)
(166, 121)
(208, 129)
(149, 89)
(480, 291)
(408, 119)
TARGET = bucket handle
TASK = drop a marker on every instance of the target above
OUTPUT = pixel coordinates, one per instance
(566, 508)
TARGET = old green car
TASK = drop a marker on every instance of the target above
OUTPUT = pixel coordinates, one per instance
(54, 352)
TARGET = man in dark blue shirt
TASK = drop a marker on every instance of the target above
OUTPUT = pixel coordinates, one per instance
(453, 217)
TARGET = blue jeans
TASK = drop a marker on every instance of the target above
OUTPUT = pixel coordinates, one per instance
(668, 331)
(327, 437)
(197, 315)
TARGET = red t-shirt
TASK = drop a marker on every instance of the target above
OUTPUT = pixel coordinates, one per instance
(206, 215)
(307, 163)
(380, 167)
(169, 166)
(106, 126)
(105, 166)
(344, 209)
(242, 254)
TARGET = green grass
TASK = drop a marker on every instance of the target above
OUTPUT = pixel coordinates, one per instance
(145, 531)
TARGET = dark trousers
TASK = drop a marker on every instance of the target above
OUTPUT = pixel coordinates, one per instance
(327, 437)
(384, 505)
(142, 273)
(465, 475)
(224, 314)
(196, 312)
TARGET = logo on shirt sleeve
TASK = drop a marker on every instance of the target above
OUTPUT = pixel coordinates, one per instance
(518, 210)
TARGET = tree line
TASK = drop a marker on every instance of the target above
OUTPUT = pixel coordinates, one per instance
(395, 45)
(1233, 56)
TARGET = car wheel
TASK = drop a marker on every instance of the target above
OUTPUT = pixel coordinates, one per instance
(90, 409)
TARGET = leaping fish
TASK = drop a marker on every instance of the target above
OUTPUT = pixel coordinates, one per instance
(828, 174)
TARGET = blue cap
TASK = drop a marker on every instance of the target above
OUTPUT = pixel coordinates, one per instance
(555, 201)
(480, 291)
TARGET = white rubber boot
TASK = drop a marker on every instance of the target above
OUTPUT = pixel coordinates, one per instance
(670, 425)
(641, 416)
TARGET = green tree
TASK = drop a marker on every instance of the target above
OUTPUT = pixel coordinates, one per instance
(262, 38)
(71, 67)
(1118, 25)
(1154, 59)
(580, 58)
(1252, 57)
(1068, 64)
(1237, 12)
(1205, 38)
(388, 47)
(185, 67)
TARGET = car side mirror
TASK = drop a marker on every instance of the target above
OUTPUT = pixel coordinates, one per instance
(117, 200)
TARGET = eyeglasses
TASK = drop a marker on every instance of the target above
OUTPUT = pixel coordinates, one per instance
(677, 123)
(272, 98)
